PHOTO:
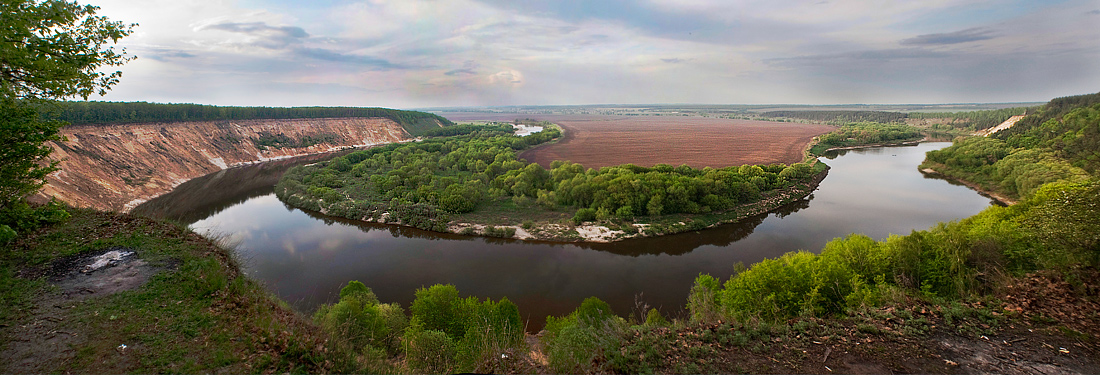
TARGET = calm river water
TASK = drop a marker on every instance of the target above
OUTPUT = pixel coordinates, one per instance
(305, 258)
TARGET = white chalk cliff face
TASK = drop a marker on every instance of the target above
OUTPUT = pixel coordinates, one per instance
(117, 167)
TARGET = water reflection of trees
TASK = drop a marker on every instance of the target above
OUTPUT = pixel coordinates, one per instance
(205, 196)
(394, 230)
(683, 243)
(674, 244)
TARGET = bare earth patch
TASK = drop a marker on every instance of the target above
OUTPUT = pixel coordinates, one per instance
(49, 339)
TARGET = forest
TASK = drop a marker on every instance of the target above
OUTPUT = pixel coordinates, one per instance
(1057, 143)
(973, 120)
(98, 112)
(421, 184)
(865, 133)
(839, 117)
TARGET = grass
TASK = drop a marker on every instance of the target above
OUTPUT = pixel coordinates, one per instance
(197, 313)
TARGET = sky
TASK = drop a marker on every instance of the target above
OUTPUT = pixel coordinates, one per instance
(434, 53)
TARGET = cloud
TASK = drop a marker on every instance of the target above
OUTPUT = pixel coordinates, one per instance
(673, 60)
(328, 55)
(165, 54)
(1093, 12)
(860, 57)
(266, 36)
(507, 77)
(463, 71)
(961, 36)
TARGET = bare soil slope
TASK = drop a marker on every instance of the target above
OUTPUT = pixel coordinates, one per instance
(117, 167)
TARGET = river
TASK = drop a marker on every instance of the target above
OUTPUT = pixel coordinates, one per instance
(305, 258)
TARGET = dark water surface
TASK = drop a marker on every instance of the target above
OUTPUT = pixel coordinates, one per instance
(305, 258)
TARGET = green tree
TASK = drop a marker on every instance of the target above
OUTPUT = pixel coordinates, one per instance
(49, 50)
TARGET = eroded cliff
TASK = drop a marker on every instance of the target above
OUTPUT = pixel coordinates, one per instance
(117, 167)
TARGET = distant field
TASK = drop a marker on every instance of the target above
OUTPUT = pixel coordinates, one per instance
(601, 140)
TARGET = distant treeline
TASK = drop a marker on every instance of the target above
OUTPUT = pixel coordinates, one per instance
(839, 116)
(975, 120)
(94, 112)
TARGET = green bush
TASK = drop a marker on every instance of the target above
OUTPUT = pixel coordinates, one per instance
(574, 341)
(583, 215)
(439, 308)
(361, 320)
(429, 351)
(654, 319)
(475, 330)
(703, 299)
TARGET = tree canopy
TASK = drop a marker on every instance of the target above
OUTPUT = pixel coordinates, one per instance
(49, 50)
(55, 49)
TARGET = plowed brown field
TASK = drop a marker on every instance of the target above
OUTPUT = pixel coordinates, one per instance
(598, 141)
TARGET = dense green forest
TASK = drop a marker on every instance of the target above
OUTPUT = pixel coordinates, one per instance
(839, 117)
(1058, 142)
(421, 184)
(973, 120)
(866, 133)
(96, 112)
(1069, 127)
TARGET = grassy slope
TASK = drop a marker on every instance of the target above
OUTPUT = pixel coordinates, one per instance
(197, 312)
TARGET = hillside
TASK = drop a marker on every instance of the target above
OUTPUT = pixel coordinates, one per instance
(1058, 142)
(117, 155)
(116, 167)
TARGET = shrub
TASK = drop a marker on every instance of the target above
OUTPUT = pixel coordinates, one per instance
(574, 341)
(361, 320)
(429, 351)
(703, 299)
(438, 308)
(475, 331)
(583, 215)
(654, 319)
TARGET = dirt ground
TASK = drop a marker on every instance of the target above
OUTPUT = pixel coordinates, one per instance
(600, 140)
(49, 337)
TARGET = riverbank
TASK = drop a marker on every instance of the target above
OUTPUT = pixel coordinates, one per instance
(556, 228)
(934, 169)
(887, 144)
